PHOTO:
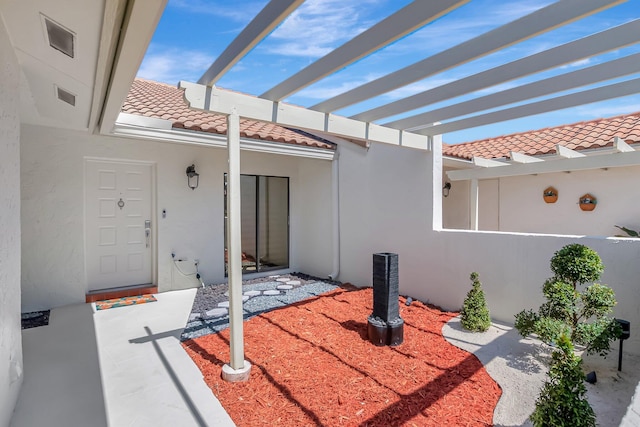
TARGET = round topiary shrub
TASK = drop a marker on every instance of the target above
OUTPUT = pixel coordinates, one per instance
(576, 264)
(582, 316)
(475, 314)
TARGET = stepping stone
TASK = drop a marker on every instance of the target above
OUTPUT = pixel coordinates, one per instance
(217, 312)
(194, 316)
(271, 292)
(283, 279)
(252, 293)
(294, 282)
(224, 304)
(284, 287)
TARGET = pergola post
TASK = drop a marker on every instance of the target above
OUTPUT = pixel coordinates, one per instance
(473, 204)
(238, 369)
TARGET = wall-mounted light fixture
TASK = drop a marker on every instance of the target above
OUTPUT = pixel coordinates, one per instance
(446, 189)
(193, 177)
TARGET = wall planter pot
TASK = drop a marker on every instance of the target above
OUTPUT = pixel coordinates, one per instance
(587, 202)
(550, 195)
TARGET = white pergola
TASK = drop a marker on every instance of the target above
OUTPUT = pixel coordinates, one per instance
(419, 131)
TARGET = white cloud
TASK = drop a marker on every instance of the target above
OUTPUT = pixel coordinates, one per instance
(615, 108)
(579, 63)
(317, 27)
(172, 65)
(224, 9)
(465, 23)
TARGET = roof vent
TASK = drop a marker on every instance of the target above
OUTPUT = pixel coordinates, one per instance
(59, 37)
(66, 96)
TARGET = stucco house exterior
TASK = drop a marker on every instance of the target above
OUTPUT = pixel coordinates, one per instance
(512, 200)
(95, 192)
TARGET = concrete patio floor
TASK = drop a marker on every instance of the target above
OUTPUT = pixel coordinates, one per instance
(118, 367)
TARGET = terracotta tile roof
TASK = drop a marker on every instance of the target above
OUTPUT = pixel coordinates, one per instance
(578, 136)
(163, 101)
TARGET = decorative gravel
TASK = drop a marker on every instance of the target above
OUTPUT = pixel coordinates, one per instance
(256, 301)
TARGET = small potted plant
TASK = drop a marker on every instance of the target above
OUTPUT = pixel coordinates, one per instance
(587, 202)
(550, 195)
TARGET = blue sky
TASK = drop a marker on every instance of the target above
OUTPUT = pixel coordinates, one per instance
(192, 33)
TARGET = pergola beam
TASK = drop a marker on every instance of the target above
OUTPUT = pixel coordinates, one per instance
(585, 47)
(621, 146)
(606, 71)
(540, 21)
(266, 21)
(523, 158)
(550, 165)
(401, 23)
(486, 163)
(213, 99)
(567, 153)
(602, 93)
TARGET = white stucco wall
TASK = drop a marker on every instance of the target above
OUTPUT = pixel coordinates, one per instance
(385, 204)
(52, 214)
(617, 191)
(10, 330)
(386, 207)
(516, 204)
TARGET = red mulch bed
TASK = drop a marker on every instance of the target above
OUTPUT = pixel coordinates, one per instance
(313, 365)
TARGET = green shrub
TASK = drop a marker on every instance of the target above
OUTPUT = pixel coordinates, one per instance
(582, 316)
(576, 264)
(562, 400)
(475, 314)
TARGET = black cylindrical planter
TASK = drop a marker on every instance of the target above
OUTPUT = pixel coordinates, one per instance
(396, 332)
(377, 331)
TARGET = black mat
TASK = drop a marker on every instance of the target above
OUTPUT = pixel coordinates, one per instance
(35, 319)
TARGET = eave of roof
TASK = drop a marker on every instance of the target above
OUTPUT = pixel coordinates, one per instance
(162, 101)
(593, 134)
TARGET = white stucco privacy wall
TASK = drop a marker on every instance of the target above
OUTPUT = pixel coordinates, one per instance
(10, 330)
(385, 206)
(518, 204)
(53, 205)
(385, 197)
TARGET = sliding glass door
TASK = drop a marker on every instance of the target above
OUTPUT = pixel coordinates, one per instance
(265, 223)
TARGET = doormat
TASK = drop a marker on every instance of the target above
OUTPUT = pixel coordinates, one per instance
(125, 301)
(35, 319)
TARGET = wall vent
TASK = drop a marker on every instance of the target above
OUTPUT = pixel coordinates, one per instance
(59, 37)
(66, 96)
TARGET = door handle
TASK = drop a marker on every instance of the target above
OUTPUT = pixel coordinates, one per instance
(147, 231)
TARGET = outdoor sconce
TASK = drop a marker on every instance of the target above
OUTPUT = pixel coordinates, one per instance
(446, 189)
(193, 178)
(625, 326)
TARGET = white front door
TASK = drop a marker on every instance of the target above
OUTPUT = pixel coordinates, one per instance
(118, 224)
